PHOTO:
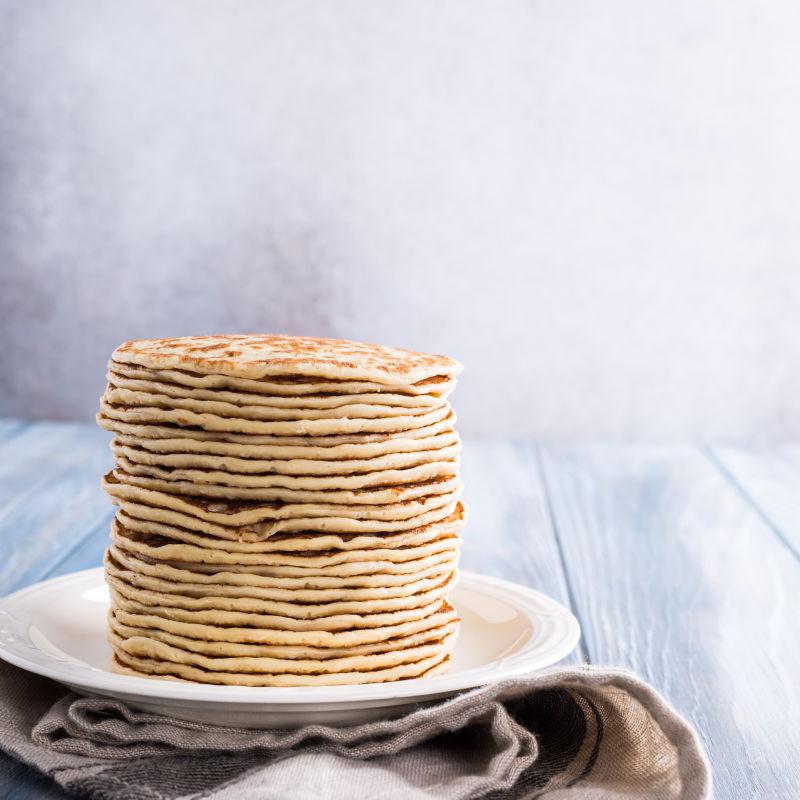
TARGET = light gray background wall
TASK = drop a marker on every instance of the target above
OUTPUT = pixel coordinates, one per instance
(593, 205)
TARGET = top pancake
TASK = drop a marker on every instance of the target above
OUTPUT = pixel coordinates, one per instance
(259, 356)
(292, 386)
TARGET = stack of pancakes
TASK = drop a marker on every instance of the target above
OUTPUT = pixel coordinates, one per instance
(289, 510)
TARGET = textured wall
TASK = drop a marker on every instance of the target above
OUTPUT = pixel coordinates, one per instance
(593, 205)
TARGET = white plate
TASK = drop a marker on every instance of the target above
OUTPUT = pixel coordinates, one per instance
(58, 629)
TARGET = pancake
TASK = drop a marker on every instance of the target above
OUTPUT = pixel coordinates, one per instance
(140, 602)
(355, 637)
(246, 521)
(166, 550)
(213, 648)
(443, 614)
(144, 647)
(371, 495)
(365, 411)
(294, 427)
(126, 664)
(368, 444)
(241, 398)
(288, 486)
(130, 454)
(176, 442)
(141, 590)
(162, 577)
(257, 356)
(288, 385)
(241, 512)
(290, 542)
(375, 572)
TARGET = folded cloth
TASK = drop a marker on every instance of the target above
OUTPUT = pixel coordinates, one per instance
(566, 733)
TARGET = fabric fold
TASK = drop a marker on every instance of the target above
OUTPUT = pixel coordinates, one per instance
(563, 733)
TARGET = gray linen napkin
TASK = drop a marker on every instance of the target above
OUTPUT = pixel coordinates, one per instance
(565, 733)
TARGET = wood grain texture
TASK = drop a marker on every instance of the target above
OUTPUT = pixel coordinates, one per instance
(769, 479)
(50, 498)
(509, 533)
(54, 519)
(678, 578)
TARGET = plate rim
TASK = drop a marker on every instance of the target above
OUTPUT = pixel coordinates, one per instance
(529, 601)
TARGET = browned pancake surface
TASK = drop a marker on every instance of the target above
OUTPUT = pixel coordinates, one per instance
(259, 355)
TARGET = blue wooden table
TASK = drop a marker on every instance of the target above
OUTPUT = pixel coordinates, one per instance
(682, 563)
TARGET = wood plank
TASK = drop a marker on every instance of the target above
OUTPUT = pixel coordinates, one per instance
(88, 552)
(768, 478)
(39, 451)
(50, 498)
(509, 533)
(10, 427)
(18, 781)
(21, 782)
(680, 580)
